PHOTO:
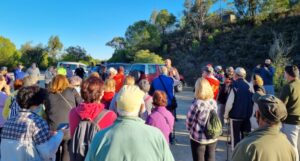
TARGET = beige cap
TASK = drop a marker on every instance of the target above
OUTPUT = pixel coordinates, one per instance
(130, 98)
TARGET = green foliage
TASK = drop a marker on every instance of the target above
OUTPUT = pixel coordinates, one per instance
(279, 52)
(145, 56)
(37, 54)
(117, 43)
(164, 19)
(143, 35)
(54, 45)
(8, 53)
(76, 53)
(124, 56)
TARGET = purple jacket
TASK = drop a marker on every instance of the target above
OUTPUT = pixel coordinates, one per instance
(162, 119)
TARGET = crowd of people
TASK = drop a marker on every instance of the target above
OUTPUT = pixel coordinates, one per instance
(107, 115)
(261, 126)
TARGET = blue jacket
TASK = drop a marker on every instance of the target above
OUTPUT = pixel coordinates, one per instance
(242, 107)
(266, 74)
(157, 85)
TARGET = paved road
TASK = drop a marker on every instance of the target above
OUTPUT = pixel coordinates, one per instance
(182, 149)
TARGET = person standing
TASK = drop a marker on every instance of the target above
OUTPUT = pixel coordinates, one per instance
(267, 142)
(4, 73)
(266, 71)
(290, 95)
(160, 116)
(129, 138)
(62, 99)
(27, 136)
(203, 148)
(164, 83)
(33, 71)
(224, 91)
(18, 73)
(80, 72)
(69, 72)
(62, 70)
(49, 75)
(119, 78)
(4, 94)
(172, 71)
(239, 107)
(208, 74)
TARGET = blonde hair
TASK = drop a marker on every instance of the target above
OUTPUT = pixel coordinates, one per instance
(203, 89)
(109, 85)
(257, 80)
(95, 74)
(59, 84)
(129, 80)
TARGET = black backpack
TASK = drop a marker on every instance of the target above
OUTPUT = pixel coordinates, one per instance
(83, 136)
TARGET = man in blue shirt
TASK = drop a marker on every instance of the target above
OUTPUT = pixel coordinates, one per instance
(18, 73)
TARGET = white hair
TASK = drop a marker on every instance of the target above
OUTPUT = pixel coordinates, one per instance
(164, 70)
(112, 71)
(240, 72)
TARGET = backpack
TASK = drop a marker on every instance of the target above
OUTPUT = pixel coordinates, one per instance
(83, 135)
(213, 128)
(14, 107)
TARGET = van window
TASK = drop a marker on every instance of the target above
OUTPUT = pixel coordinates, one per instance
(138, 68)
(152, 69)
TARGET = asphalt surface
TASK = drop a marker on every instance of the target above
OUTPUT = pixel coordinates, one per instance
(182, 150)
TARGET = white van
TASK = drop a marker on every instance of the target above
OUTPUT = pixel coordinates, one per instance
(73, 65)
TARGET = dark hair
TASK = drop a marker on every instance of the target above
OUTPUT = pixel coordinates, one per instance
(160, 98)
(31, 96)
(292, 70)
(91, 89)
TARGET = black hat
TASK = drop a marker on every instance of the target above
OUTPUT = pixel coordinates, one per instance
(272, 108)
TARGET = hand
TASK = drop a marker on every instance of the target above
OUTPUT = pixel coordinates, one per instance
(226, 120)
(66, 133)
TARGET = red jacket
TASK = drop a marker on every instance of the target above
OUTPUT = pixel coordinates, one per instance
(106, 99)
(214, 83)
(119, 78)
(91, 111)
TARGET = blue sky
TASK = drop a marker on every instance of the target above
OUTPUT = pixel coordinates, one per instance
(87, 23)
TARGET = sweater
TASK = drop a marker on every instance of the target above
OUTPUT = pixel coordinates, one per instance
(129, 139)
(290, 96)
(264, 144)
(162, 119)
(90, 111)
(266, 73)
(58, 106)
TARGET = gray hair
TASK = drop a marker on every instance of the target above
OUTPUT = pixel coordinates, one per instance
(144, 85)
(240, 72)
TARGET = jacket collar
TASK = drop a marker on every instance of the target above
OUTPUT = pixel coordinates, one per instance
(270, 130)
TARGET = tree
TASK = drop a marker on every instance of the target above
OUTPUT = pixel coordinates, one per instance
(143, 35)
(145, 56)
(164, 19)
(123, 55)
(195, 13)
(279, 53)
(153, 16)
(117, 43)
(8, 52)
(76, 53)
(54, 45)
(34, 54)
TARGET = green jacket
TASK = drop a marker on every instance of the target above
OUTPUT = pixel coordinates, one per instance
(129, 139)
(290, 96)
(264, 144)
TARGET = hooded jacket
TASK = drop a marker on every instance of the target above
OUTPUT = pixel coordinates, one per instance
(90, 111)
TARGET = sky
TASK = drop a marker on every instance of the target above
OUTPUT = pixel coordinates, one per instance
(87, 23)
